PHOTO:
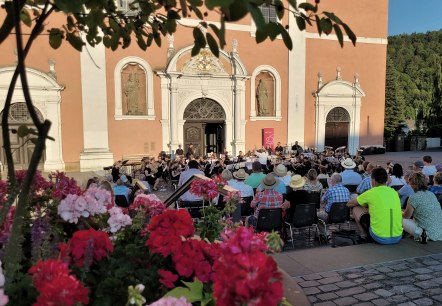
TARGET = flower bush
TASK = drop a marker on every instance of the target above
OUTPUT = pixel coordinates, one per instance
(79, 249)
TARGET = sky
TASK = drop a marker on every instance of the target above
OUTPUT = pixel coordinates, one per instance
(414, 16)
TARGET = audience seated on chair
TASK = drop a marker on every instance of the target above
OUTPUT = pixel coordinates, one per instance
(349, 176)
(268, 197)
(185, 176)
(312, 184)
(238, 183)
(121, 188)
(256, 177)
(335, 193)
(366, 182)
(382, 210)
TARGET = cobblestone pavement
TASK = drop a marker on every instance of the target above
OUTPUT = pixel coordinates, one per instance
(413, 281)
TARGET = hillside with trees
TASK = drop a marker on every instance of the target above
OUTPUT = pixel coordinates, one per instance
(414, 80)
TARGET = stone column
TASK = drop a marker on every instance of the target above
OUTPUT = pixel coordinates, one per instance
(96, 154)
(238, 142)
(173, 114)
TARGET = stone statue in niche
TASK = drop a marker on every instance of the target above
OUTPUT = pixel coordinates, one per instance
(262, 98)
(131, 91)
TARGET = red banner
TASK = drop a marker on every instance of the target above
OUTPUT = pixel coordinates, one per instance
(267, 137)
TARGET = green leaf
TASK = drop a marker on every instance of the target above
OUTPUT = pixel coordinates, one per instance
(55, 38)
(157, 39)
(333, 17)
(350, 33)
(218, 34)
(140, 41)
(338, 32)
(183, 5)
(212, 44)
(171, 14)
(115, 38)
(294, 4)
(199, 37)
(301, 23)
(6, 27)
(70, 6)
(261, 35)
(308, 7)
(75, 41)
(171, 26)
(257, 16)
(286, 37)
(195, 50)
(272, 30)
(34, 140)
(107, 41)
(236, 11)
(22, 131)
(279, 8)
(326, 25)
(318, 24)
(211, 4)
(198, 12)
(25, 17)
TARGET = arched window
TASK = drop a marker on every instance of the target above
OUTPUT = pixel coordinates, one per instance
(338, 114)
(265, 94)
(133, 89)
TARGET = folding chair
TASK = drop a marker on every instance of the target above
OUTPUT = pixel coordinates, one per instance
(269, 219)
(246, 210)
(397, 187)
(304, 217)
(351, 188)
(193, 207)
(339, 214)
(121, 201)
(324, 182)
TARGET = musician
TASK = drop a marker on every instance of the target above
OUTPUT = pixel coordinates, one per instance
(179, 151)
(116, 170)
(297, 148)
(175, 170)
(241, 157)
(190, 151)
(279, 149)
(269, 150)
(262, 158)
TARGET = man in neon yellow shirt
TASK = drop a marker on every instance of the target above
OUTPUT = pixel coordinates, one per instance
(377, 211)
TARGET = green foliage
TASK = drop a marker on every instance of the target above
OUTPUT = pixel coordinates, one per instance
(416, 58)
(394, 105)
(193, 292)
(211, 225)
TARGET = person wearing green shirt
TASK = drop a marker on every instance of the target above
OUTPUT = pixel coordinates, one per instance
(256, 177)
(377, 211)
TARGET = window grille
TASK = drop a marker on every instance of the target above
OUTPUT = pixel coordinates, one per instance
(269, 13)
(338, 114)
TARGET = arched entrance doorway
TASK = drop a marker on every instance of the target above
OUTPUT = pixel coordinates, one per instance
(22, 147)
(204, 126)
(337, 127)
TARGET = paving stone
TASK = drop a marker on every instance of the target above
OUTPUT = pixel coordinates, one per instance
(400, 273)
(312, 277)
(437, 256)
(427, 284)
(414, 294)
(327, 296)
(384, 269)
(434, 291)
(311, 290)
(329, 274)
(360, 280)
(436, 268)
(345, 284)
(351, 291)
(384, 293)
(380, 302)
(364, 304)
(401, 289)
(407, 304)
(328, 303)
(399, 267)
(367, 296)
(308, 284)
(331, 280)
(371, 286)
(431, 262)
(378, 277)
(422, 270)
(437, 297)
(312, 299)
(423, 277)
(396, 299)
(424, 302)
(437, 280)
(353, 275)
(348, 300)
(328, 288)
(370, 272)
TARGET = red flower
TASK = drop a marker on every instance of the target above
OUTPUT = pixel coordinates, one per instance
(63, 290)
(244, 274)
(167, 278)
(148, 205)
(196, 258)
(46, 271)
(204, 188)
(89, 245)
(167, 229)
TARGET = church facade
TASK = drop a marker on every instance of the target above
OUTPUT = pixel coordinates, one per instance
(106, 105)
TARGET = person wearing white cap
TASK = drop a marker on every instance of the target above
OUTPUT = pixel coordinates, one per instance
(238, 183)
(349, 176)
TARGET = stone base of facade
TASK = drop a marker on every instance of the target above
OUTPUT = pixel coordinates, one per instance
(95, 160)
